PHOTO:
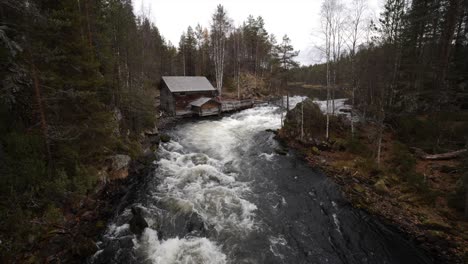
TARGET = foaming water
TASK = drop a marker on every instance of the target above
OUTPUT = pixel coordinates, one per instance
(231, 136)
(175, 250)
(194, 182)
(220, 194)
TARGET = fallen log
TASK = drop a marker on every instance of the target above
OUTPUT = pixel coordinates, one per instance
(444, 156)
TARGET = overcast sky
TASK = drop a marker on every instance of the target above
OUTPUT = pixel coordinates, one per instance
(299, 19)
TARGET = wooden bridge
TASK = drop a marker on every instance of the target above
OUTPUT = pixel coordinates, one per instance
(234, 105)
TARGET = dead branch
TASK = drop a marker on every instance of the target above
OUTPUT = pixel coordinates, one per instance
(443, 156)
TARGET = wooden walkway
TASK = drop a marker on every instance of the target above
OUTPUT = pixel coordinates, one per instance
(234, 105)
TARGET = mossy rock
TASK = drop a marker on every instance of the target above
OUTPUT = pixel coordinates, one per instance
(315, 151)
(380, 186)
(165, 138)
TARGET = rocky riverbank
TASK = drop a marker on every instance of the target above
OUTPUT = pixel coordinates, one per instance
(73, 232)
(404, 191)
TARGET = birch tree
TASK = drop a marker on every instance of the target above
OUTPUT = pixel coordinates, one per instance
(337, 23)
(220, 27)
(326, 18)
(356, 17)
(391, 24)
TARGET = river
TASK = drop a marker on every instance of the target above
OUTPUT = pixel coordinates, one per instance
(220, 194)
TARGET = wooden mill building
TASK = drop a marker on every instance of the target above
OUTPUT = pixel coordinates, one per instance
(188, 95)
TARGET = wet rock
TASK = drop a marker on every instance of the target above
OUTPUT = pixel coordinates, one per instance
(108, 254)
(152, 136)
(281, 151)
(154, 140)
(165, 138)
(146, 159)
(214, 179)
(272, 131)
(138, 222)
(195, 223)
(199, 159)
(126, 242)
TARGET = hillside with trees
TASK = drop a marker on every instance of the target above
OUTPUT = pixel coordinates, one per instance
(79, 85)
(405, 141)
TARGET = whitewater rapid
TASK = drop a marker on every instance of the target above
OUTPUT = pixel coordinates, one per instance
(221, 194)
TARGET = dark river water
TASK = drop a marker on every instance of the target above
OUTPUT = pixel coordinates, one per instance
(220, 194)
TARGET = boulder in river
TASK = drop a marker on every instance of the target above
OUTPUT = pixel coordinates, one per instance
(138, 222)
(195, 224)
(281, 151)
(165, 138)
(199, 159)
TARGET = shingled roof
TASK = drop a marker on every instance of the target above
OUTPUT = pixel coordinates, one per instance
(187, 83)
(201, 101)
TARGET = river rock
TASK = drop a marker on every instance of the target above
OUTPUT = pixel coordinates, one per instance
(118, 166)
(165, 138)
(153, 136)
(199, 159)
(138, 222)
(195, 223)
(281, 151)
(126, 242)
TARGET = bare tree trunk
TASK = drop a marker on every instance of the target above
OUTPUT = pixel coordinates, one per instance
(302, 119)
(183, 62)
(446, 40)
(352, 113)
(90, 39)
(238, 66)
(81, 24)
(42, 117)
